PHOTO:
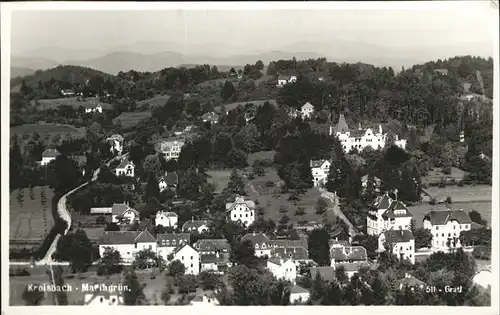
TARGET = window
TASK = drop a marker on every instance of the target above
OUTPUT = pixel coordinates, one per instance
(102, 299)
(191, 257)
(442, 234)
(135, 245)
(449, 234)
(113, 300)
(437, 228)
(182, 258)
(150, 246)
(191, 265)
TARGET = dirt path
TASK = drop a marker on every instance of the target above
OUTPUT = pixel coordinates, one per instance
(336, 210)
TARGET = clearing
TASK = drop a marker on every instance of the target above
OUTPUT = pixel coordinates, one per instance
(232, 106)
(30, 214)
(155, 101)
(266, 192)
(73, 102)
(219, 178)
(261, 155)
(46, 128)
(131, 119)
(434, 176)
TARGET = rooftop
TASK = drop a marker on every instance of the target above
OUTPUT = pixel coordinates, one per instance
(326, 273)
(50, 153)
(295, 253)
(348, 253)
(240, 200)
(442, 217)
(398, 236)
(195, 224)
(126, 237)
(172, 239)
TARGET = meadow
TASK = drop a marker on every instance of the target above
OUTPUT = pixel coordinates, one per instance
(30, 214)
(131, 119)
(232, 106)
(73, 102)
(219, 178)
(158, 100)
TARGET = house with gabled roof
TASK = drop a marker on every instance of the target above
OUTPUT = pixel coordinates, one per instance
(320, 170)
(445, 227)
(214, 254)
(198, 226)
(168, 181)
(212, 246)
(298, 295)
(125, 168)
(296, 254)
(411, 282)
(102, 297)
(93, 108)
(387, 214)
(189, 257)
(287, 243)
(168, 242)
(285, 269)
(285, 79)
(341, 253)
(210, 117)
(204, 300)
(166, 219)
(261, 242)
(116, 142)
(400, 243)
(67, 92)
(48, 156)
(361, 138)
(327, 273)
(127, 243)
(171, 149)
(241, 210)
(307, 111)
(353, 267)
(122, 213)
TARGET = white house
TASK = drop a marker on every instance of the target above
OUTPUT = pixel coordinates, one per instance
(261, 243)
(402, 243)
(241, 210)
(93, 108)
(168, 242)
(297, 254)
(199, 226)
(171, 149)
(298, 294)
(67, 92)
(103, 298)
(169, 180)
(127, 243)
(48, 156)
(214, 254)
(307, 110)
(125, 168)
(320, 170)
(361, 138)
(121, 213)
(445, 227)
(387, 214)
(283, 269)
(189, 257)
(282, 80)
(210, 117)
(352, 268)
(204, 300)
(116, 142)
(342, 253)
(166, 219)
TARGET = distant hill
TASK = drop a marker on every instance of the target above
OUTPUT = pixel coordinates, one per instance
(20, 72)
(32, 62)
(222, 68)
(75, 74)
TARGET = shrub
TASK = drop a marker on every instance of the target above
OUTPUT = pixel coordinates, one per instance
(460, 184)
(448, 199)
(433, 201)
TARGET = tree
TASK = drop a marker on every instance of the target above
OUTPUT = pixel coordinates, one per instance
(187, 284)
(319, 248)
(146, 258)
(321, 206)
(210, 281)
(190, 183)
(237, 158)
(227, 91)
(176, 269)
(33, 297)
(110, 262)
(244, 254)
(167, 292)
(134, 295)
(77, 249)
(258, 168)
(423, 238)
(259, 65)
(235, 184)
(475, 216)
(369, 242)
(152, 188)
(64, 174)
(112, 226)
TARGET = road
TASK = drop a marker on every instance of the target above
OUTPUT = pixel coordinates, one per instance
(336, 210)
(63, 213)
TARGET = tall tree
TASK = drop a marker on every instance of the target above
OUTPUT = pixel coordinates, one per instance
(134, 295)
(244, 254)
(152, 188)
(319, 248)
(235, 184)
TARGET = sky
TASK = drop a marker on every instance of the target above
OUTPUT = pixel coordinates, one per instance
(269, 29)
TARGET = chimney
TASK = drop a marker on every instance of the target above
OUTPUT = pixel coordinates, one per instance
(380, 129)
(359, 126)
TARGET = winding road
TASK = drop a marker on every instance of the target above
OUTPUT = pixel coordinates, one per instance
(63, 213)
(336, 210)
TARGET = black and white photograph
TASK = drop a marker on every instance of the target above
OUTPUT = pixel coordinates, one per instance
(250, 154)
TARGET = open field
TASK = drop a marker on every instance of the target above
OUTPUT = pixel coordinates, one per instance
(130, 119)
(44, 129)
(467, 193)
(435, 175)
(219, 178)
(261, 155)
(155, 101)
(235, 105)
(73, 102)
(484, 208)
(271, 199)
(30, 216)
